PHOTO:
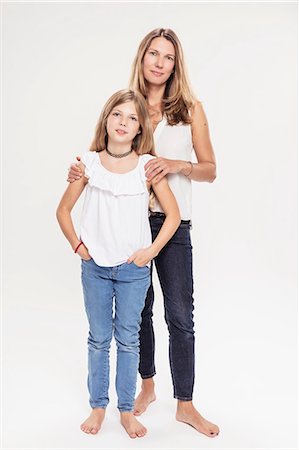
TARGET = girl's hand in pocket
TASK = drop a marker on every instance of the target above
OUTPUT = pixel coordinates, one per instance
(83, 253)
(142, 257)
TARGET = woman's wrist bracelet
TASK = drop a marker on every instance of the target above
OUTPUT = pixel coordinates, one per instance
(187, 175)
(76, 249)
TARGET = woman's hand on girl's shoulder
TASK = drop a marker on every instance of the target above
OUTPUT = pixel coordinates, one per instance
(75, 171)
(159, 167)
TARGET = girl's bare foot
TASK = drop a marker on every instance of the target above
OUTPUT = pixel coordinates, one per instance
(93, 423)
(131, 425)
(187, 413)
(146, 396)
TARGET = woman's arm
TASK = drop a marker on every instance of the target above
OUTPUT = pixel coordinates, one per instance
(169, 227)
(63, 213)
(204, 169)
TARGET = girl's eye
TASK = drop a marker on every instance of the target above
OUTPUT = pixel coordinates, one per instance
(171, 58)
(153, 53)
(115, 114)
(134, 118)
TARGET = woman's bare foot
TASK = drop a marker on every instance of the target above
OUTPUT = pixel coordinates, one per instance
(146, 396)
(131, 425)
(187, 413)
(93, 423)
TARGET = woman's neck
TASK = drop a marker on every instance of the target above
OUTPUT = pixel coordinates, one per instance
(155, 95)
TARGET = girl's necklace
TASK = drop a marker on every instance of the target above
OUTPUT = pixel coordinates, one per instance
(118, 155)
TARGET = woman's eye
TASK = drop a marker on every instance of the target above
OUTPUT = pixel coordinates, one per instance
(170, 58)
(134, 118)
(115, 114)
(153, 53)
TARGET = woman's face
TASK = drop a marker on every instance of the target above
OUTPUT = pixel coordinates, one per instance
(122, 123)
(159, 61)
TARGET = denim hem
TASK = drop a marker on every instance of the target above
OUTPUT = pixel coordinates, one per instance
(125, 410)
(98, 406)
(145, 377)
(183, 399)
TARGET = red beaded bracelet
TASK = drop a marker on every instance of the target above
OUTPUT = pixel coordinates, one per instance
(78, 246)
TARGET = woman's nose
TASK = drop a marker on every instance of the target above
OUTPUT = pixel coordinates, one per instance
(159, 63)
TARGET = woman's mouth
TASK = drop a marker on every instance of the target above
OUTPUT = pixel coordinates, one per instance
(156, 74)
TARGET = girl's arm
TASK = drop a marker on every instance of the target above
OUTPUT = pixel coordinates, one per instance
(63, 214)
(169, 227)
(204, 169)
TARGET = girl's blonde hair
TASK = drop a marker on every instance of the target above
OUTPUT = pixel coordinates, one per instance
(143, 142)
(178, 97)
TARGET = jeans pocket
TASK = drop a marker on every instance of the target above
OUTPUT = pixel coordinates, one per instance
(140, 267)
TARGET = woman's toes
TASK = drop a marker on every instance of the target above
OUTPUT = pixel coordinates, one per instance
(214, 432)
(94, 431)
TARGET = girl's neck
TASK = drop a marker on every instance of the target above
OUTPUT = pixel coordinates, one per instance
(118, 149)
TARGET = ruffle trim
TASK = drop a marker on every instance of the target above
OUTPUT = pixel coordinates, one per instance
(130, 183)
(127, 184)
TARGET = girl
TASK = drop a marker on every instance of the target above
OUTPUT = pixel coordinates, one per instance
(180, 128)
(116, 248)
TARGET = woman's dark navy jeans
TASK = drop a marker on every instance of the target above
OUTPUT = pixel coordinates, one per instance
(174, 268)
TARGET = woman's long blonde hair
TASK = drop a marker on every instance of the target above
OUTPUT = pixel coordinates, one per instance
(178, 97)
(143, 141)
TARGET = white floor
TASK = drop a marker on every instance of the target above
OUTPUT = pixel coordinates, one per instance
(246, 378)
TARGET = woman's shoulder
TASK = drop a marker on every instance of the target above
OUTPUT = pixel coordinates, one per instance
(199, 118)
(196, 109)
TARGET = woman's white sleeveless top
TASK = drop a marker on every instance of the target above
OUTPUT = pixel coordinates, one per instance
(114, 221)
(175, 142)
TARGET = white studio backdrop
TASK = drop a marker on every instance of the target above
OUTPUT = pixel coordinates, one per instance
(61, 62)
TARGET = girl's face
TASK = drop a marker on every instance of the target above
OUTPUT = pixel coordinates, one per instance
(159, 61)
(122, 123)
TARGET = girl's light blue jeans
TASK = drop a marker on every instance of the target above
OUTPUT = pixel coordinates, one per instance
(114, 298)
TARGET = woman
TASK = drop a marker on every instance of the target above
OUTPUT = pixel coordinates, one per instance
(180, 126)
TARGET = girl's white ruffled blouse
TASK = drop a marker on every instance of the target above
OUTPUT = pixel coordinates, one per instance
(115, 215)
